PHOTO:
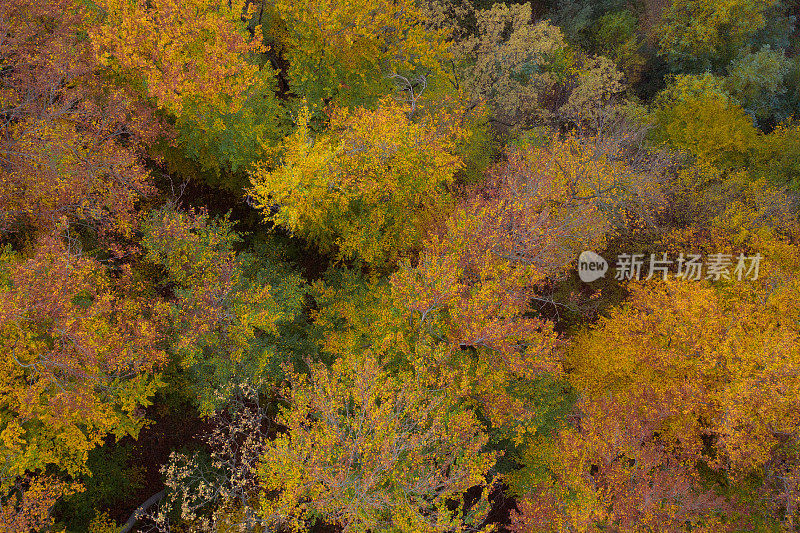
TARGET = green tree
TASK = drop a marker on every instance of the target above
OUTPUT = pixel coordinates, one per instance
(345, 52)
(696, 114)
(756, 80)
(225, 309)
(695, 35)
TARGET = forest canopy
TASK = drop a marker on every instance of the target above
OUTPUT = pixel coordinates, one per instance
(399, 266)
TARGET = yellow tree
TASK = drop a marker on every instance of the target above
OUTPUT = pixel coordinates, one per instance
(689, 411)
(346, 52)
(688, 415)
(365, 188)
(713, 374)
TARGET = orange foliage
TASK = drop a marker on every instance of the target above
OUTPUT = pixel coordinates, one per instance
(28, 506)
(181, 51)
(69, 141)
(77, 350)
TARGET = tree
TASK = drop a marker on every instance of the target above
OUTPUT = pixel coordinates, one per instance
(226, 145)
(197, 61)
(696, 35)
(697, 114)
(370, 451)
(756, 80)
(80, 350)
(614, 469)
(225, 308)
(708, 377)
(526, 72)
(597, 86)
(344, 53)
(777, 156)
(544, 205)
(180, 53)
(365, 188)
(68, 141)
(644, 447)
(617, 37)
(469, 298)
(220, 491)
(28, 505)
(514, 64)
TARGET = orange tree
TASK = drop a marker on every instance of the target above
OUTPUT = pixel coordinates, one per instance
(688, 410)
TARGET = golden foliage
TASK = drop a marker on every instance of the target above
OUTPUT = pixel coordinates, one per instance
(364, 188)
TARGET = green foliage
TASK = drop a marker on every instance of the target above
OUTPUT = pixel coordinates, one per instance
(615, 29)
(756, 80)
(344, 52)
(697, 115)
(225, 312)
(780, 24)
(580, 19)
(112, 482)
(228, 144)
(478, 150)
(551, 400)
(616, 36)
(101, 523)
(790, 102)
(696, 35)
(354, 312)
(268, 265)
